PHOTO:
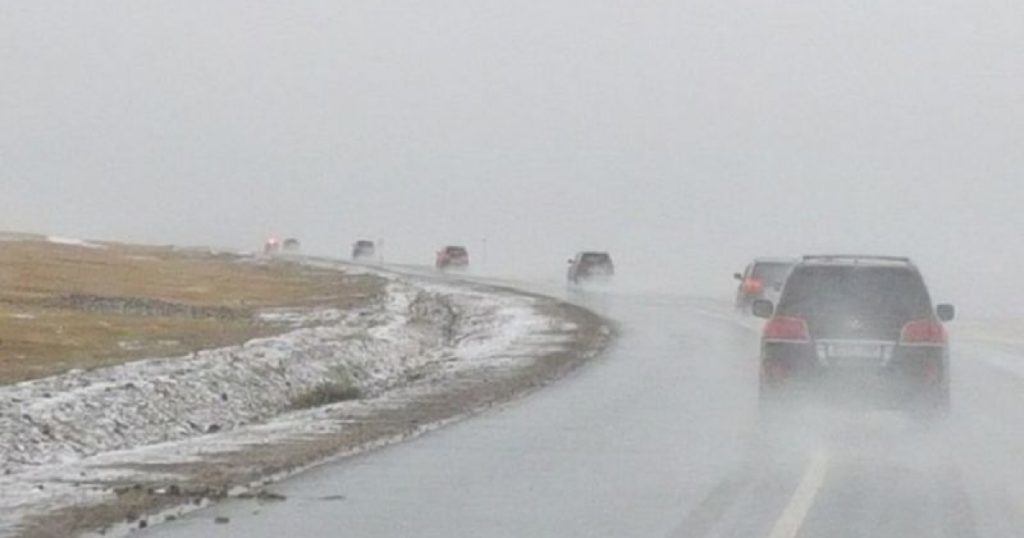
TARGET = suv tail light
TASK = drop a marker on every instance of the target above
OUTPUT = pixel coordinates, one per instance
(786, 329)
(923, 332)
(752, 285)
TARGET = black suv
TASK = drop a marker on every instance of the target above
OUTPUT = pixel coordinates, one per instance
(857, 328)
(363, 250)
(590, 266)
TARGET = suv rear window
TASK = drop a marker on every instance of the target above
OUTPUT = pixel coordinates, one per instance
(885, 292)
(594, 257)
(771, 271)
(456, 251)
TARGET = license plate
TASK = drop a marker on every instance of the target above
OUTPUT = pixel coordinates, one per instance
(855, 351)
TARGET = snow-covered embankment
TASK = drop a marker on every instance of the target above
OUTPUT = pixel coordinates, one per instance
(68, 443)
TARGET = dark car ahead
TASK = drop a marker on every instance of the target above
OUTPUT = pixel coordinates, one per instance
(271, 246)
(364, 250)
(291, 245)
(856, 329)
(452, 257)
(590, 267)
(762, 279)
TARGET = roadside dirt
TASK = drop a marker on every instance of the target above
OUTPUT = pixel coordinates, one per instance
(422, 405)
(70, 306)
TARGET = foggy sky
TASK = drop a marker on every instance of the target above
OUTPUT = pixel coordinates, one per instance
(685, 137)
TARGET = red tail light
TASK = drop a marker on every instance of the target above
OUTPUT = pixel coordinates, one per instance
(785, 328)
(752, 285)
(923, 332)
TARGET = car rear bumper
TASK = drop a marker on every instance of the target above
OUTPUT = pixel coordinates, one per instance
(746, 299)
(595, 277)
(901, 376)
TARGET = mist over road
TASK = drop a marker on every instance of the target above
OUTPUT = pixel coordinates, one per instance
(683, 137)
(661, 437)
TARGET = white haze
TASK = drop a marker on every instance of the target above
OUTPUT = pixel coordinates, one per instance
(684, 137)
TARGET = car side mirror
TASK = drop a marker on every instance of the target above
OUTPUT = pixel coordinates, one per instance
(945, 312)
(737, 276)
(762, 309)
(571, 261)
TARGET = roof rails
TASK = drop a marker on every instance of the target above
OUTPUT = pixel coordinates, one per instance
(857, 258)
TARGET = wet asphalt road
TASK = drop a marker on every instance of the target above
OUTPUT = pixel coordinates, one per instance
(661, 437)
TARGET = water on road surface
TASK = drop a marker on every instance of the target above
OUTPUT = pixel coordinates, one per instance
(662, 437)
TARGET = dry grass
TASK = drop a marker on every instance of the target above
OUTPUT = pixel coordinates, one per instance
(45, 328)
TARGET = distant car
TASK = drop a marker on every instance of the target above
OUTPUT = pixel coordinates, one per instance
(452, 257)
(364, 250)
(291, 245)
(856, 328)
(271, 246)
(762, 279)
(590, 267)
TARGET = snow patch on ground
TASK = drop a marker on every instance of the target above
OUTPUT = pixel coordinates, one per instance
(73, 428)
(21, 316)
(83, 413)
(69, 241)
